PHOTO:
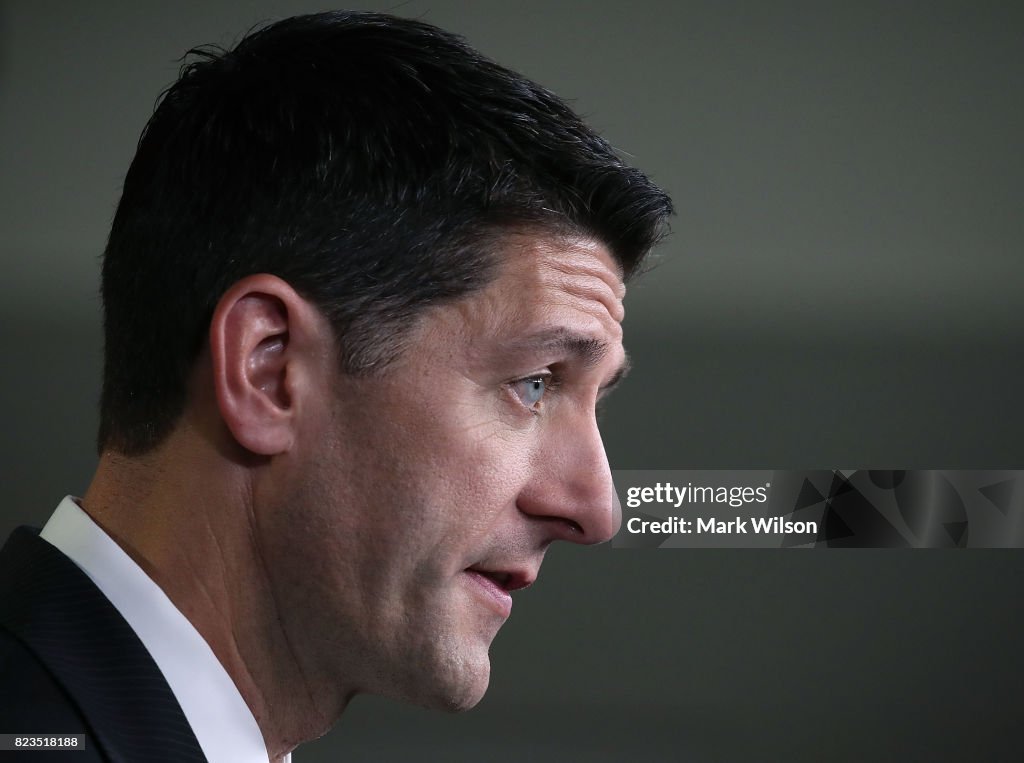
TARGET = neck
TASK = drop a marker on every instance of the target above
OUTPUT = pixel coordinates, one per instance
(187, 517)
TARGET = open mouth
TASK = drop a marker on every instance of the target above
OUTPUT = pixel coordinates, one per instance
(498, 585)
(506, 580)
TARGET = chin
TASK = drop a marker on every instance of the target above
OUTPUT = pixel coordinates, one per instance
(453, 686)
(466, 700)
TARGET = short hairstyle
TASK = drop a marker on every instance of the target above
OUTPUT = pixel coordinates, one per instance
(372, 162)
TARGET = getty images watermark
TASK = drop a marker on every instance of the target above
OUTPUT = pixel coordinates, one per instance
(825, 508)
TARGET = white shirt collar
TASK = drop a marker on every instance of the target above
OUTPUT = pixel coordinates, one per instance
(222, 722)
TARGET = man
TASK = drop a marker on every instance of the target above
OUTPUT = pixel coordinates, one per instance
(362, 294)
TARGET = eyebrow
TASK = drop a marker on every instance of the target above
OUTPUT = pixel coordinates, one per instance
(589, 350)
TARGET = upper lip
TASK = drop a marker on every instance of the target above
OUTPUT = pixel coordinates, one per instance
(510, 579)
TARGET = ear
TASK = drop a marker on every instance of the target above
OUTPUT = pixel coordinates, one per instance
(267, 353)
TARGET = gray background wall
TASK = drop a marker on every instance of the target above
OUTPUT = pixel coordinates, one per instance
(842, 290)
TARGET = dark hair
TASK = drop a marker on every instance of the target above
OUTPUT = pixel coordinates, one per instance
(368, 160)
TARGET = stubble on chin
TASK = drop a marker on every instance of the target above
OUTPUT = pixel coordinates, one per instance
(451, 673)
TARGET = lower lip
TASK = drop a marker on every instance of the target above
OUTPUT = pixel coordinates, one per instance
(497, 597)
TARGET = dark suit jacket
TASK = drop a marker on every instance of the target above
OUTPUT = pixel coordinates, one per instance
(70, 664)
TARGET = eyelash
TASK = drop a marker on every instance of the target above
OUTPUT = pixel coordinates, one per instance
(552, 381)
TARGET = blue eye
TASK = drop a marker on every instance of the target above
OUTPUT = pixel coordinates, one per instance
(531, 390)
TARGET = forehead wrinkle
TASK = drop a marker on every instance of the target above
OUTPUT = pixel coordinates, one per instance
(544, 281)
(578, 265)
(585, 283)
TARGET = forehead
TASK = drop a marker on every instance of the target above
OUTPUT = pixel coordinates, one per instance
(546, 283)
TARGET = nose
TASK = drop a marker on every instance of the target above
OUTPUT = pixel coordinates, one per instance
(571, 487)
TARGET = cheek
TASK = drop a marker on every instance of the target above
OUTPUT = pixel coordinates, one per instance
(431, 492)
(470, 485)
(432, 474)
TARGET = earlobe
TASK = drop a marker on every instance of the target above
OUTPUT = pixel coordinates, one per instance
(259, 335)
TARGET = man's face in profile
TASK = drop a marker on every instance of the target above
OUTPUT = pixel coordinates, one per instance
(428, 493)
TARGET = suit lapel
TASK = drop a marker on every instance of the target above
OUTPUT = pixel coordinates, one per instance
(67, 622)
